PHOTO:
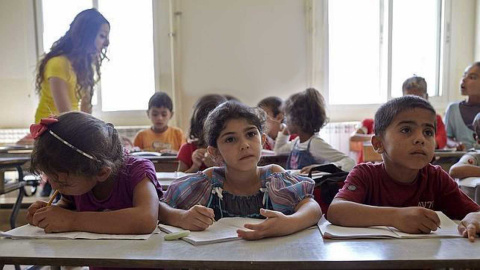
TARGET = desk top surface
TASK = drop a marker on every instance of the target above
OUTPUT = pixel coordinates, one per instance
(13, 160)
(304, 250)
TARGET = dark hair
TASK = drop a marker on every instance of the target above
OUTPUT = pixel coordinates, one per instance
(307, 110)
(218, 118)
(415, 82)
(202, 107)
(85, 132)
(388, 111)
(273, 103)
(160, 99)
(78, 45)
(476, 124)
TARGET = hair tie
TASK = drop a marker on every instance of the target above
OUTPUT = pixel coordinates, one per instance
(38, 129)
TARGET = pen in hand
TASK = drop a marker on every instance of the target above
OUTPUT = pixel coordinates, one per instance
(52, 198)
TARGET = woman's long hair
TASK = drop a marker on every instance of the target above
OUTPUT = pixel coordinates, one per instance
(78, 45)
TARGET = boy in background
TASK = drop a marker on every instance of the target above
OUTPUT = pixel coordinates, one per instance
(160, 137)
(405, 190)
(469, 164)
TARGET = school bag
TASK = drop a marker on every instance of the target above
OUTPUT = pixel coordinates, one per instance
(329, 179)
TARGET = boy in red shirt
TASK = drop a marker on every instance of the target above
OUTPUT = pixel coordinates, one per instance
(405, 190)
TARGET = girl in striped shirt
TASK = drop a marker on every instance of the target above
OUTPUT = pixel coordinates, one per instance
(233, 132)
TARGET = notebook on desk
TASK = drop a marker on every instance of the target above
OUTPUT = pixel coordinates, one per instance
(448, 229)
(32, 232)
(223, 230)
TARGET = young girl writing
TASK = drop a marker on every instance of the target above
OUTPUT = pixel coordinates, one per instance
(305, 113)
(459, 115)
(193, 155)
(241, 188)
(103, 190)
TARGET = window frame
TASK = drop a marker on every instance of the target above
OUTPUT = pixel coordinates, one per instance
(320, 70)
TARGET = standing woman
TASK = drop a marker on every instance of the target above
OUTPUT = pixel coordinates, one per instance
(66, 75)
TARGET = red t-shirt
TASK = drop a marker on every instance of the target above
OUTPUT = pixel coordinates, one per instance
(185, 155)
(434, 189)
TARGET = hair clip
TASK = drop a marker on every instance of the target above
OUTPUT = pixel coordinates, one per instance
(38, 129)
(73, 147)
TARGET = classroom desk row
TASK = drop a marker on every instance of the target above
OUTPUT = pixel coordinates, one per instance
(303, 250)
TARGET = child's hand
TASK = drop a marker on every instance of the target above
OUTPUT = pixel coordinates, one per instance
(416, 220)
(198, 156)
(197, 218)
(470, 226)
(461, 146)
(33, 209)
(275, 225)
(306, 169)
(54, 219)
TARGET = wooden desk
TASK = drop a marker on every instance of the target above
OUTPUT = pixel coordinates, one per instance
(13, 162)
(304, 250)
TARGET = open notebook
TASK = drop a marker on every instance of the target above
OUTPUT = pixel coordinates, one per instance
(223, 230)
(32, 232)
(329, 231)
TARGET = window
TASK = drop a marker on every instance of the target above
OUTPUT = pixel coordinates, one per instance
(373, 46)
(128, 78)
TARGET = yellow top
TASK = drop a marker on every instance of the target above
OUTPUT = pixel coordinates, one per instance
(58, 67)
(147, 140)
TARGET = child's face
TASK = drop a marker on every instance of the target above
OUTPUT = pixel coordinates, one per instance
(69, 184)
(273, 123)
(102, 39)
(470, 83)
(159, 117)
(409, 141)
(240, 145)
(416, 92)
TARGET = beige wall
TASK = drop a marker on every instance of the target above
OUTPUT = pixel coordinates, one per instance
(250, 49)
(17, 64)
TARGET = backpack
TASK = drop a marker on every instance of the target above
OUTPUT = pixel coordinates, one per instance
(327, 185)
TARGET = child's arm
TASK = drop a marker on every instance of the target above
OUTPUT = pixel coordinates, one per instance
(470, 226)
(307, 213)
(197, 218)
(467, 166)
(282, 145)
(407, 219)
(139, 219)
(464, 170)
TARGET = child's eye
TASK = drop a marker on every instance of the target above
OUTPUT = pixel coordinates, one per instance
(252, 134)
(229, 139)
(472, 77)
(405, 130)
(429, 133)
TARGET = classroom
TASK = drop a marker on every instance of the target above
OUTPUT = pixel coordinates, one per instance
(334, 63)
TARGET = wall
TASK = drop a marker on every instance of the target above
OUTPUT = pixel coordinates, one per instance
(17, 68)
(250, 49)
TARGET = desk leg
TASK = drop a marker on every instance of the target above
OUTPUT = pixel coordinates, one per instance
(18, 202)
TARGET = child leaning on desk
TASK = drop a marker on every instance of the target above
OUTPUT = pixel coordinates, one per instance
(405, 190)
(103, 190)
(469, 164)
(192, 156)
(305, 114)
(233, 132)
(160, 137)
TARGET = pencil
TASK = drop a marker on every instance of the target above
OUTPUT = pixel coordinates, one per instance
(52, 198)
